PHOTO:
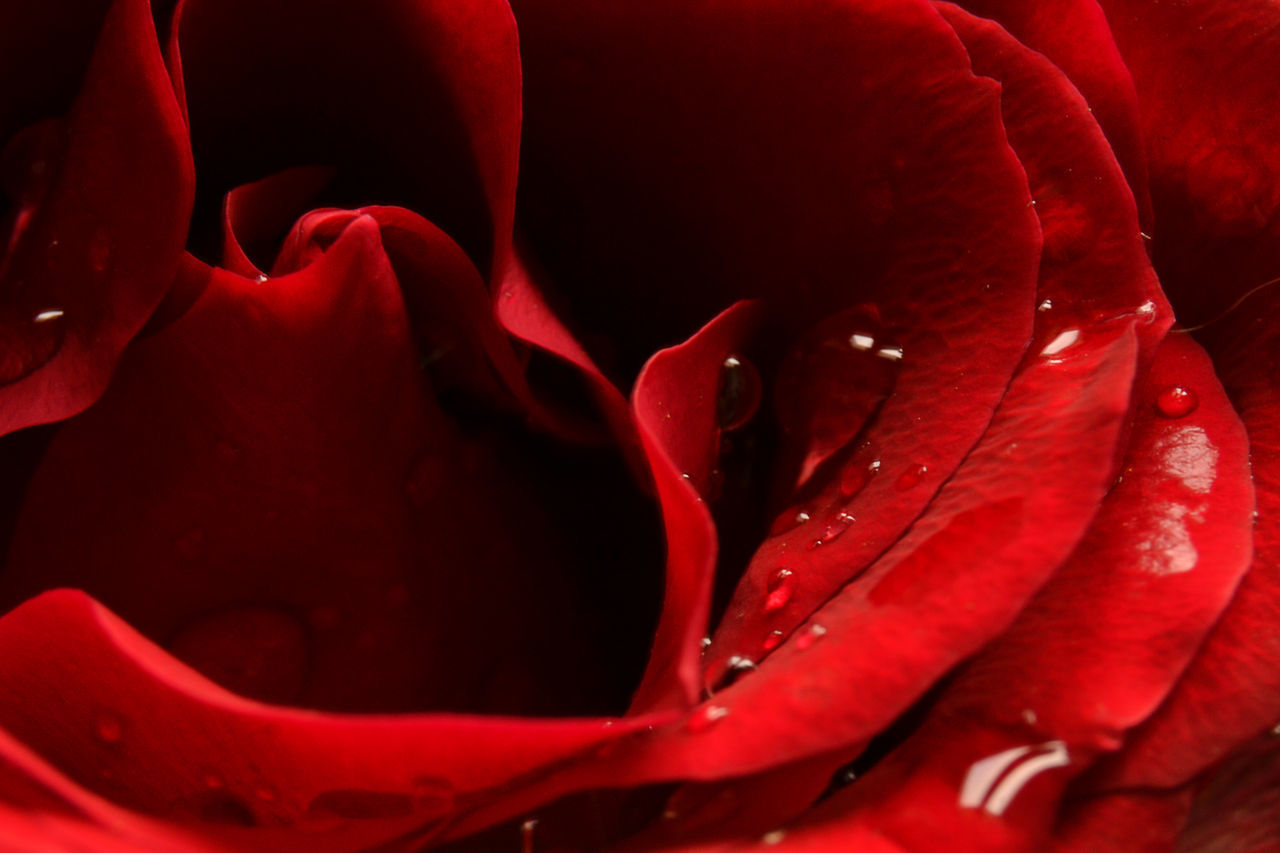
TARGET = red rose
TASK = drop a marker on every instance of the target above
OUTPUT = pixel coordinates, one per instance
(922, 357)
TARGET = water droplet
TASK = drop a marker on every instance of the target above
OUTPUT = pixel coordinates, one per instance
(779, 590)
(856, 475)
(832, 383)
(1146, 309)
(734, 668)
(833, 531)
(1045, 305)
(861, 342)
(705, 717)
(739, 395)
(890, 353)
(774, 837)
(810, 636)
(772, 641)
(1176, 402)
(1061, 342)
(99, 251)
(526, 835)
(705, 643)
(29, 336)
(911, 477)
(109, 728)
(262, 278)
(787, 521)
(992, 783)
(360, 804)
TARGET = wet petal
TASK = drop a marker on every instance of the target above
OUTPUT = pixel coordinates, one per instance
(1094, 271)
(675, 404)
(298, 517)
(93, 252)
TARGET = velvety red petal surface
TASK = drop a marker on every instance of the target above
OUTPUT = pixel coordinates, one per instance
(43, 811)
(250, 521)
(1094, 270)
(153, 735)
(99, 205)
(1095, 651)
(1074, 35)
(675, 408)
(1232, 690)
(1203, 72)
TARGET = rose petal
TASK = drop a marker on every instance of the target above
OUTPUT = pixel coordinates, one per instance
(1075, 36)
(674, 402)
(1127, 822)
(133, 703)
(816, 693)
(1239, 807)
(256, 216)
(1231, 691)
(43, 810)
(1202, 71)
(93, 257)
(1094, 270)
(836, 199)
(1097, 649)
(297, 517)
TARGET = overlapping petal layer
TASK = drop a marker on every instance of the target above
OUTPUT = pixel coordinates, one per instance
(100, 195)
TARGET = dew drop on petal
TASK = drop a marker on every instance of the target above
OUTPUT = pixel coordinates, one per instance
(1176, 402)
(855, 476)
(810, 636)
(787, 521)
(526, 834)
(772, 641)
(833, 381)
(705, 717)
(833, 531)
(911, 477)
(1045, 305)
(1061, 342)
(740, 393)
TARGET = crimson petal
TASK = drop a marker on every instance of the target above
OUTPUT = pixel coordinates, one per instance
(1074, 35)
(1203, 72)
(296, 515)
(1061, 687)
(93, 256)
(253, 762)
(675, 409)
